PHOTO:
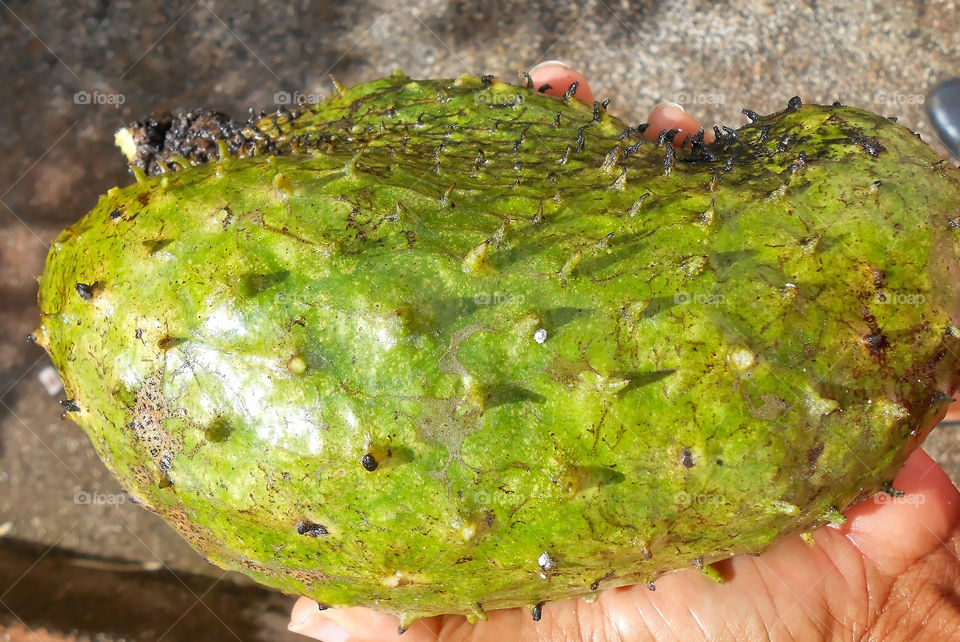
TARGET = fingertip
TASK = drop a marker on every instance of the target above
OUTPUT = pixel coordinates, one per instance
(667, 116)
(557, 76)
(307, 619)
(891, 530)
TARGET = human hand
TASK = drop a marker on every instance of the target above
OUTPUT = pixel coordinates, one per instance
(891, 571)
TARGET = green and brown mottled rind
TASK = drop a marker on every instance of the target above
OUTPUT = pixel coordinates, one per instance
(569, 364)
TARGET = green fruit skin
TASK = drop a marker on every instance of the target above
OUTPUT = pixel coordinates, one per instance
(574, 369)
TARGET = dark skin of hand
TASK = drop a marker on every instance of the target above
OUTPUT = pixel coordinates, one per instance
(890, 573)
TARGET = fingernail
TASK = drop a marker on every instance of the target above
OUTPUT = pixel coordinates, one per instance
(320, 628)
(664, 105)
(541, 65)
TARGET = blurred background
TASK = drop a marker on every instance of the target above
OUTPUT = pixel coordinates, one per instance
(79, 561)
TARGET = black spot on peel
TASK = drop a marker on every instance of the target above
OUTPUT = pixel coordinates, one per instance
(115, 214)
(168, 342)
(537, 611)
(876, 343)
(310, 529)
(369, 462)
(70, 405)
(871, 145)
(84, 290)
(812, 457)
(794, 103)
(218, 430)
(254, 283)
(686, 458)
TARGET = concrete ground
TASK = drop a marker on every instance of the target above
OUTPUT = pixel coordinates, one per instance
(72, 73)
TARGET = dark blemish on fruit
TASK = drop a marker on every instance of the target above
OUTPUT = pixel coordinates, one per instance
(537, 611)
(369, 462)
(719, 462)
(115, 214)
(401, 630)
(836, 103)
(138, 333)
(556, 120)
(642, 127)
(651, 586)
(876, 343)
(486, 80)
(84, 290)
(698, 562)
(749, 113)
(70, 405)
(32, 338)
(310, 529)
(794, 103)
(594, 585)
(783, 143)
(544, 87)
(764, 133)
(687, 458)
(321, 606)
(812, 457)
(165, 462)
(218, 430)
(800, 163)
(571, 90)
(566, 155)
(596, 112)
(168, 342)
(872, 145)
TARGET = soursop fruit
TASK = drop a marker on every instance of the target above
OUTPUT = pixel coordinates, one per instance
(445, 346)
